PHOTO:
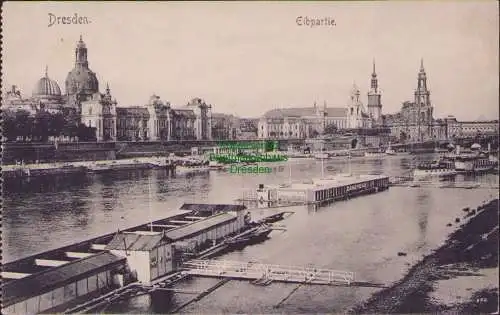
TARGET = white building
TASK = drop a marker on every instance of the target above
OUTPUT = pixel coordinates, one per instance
(357, 116)
(149, 254)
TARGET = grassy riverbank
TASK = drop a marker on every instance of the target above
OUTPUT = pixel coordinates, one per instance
(471, 251)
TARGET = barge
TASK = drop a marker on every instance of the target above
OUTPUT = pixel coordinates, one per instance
(323, 189)
(60, 279)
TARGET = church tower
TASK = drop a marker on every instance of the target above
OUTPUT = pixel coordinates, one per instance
(423, 105)
(355, 109)
(374, 98)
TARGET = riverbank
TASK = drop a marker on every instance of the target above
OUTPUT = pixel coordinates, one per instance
(471, 251)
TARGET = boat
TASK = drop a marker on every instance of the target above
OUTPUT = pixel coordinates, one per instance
(479, 163)
(474, 160)
(440, 168)
(214, 165)
(274, 218)
(321, 156)
(257, 236)
(390, 151)
(184, 169)
(375, 154)
(298, 155)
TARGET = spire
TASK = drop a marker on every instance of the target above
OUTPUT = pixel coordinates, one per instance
(422, 65)
(374, 81)
(315, 104)
(46, 71)
(81, 39)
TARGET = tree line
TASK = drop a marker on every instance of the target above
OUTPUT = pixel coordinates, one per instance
(22, 126)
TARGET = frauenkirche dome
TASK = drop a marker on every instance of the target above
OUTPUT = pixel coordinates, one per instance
(81, 80)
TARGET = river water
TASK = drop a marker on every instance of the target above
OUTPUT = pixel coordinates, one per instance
(362, 235)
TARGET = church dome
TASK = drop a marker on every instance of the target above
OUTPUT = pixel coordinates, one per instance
(81, 80)
(46, 86)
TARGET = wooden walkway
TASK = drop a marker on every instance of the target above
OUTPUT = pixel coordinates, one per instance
(267, 273)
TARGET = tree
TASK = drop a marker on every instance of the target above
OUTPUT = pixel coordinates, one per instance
(56, 124)
(24, 125)
(9, 125)
(71, 121)
(41, 126)
(85, 133)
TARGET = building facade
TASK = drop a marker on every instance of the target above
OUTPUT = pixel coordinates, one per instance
(158, 121)
(224, 127)
(309, 122)
(46, 96)
(155, 121)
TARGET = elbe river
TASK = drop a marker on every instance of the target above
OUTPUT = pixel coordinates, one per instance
(362, 235)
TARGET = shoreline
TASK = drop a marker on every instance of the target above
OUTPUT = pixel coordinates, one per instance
(474, 246)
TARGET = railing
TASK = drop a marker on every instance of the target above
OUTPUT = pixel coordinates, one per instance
(254, 270)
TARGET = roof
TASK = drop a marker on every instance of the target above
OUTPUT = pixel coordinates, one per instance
(199, 226)
(132, 110)
(305, 111)
(39, 283)
(211, 207)
(134, 241)
(184, 112)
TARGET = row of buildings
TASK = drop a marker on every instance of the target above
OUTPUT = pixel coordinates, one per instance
(414, 122)
(159, 120)
(156, 120)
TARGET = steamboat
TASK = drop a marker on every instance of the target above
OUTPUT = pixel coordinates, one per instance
(440, 168)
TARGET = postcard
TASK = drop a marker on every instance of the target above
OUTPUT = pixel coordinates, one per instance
(249, 157)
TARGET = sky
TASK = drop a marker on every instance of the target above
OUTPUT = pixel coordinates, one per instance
(245, 58)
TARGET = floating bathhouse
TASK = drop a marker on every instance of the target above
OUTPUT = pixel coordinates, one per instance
(59, 279)
(323, 189)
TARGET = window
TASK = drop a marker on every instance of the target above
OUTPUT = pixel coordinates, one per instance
(154, 261)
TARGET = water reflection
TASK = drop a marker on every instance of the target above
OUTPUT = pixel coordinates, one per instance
(424, 203)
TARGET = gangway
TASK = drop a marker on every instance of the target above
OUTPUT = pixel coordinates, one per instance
(255, 271)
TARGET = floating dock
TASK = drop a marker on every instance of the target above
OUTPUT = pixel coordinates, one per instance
(317, 191)
(266, 273)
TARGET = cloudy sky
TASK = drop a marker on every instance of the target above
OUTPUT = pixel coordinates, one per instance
(246, 58)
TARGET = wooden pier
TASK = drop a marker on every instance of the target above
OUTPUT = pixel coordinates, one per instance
(263, 272)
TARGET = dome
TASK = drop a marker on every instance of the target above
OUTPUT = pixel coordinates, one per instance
(81, 80)
(475, 146)
(46, 86)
